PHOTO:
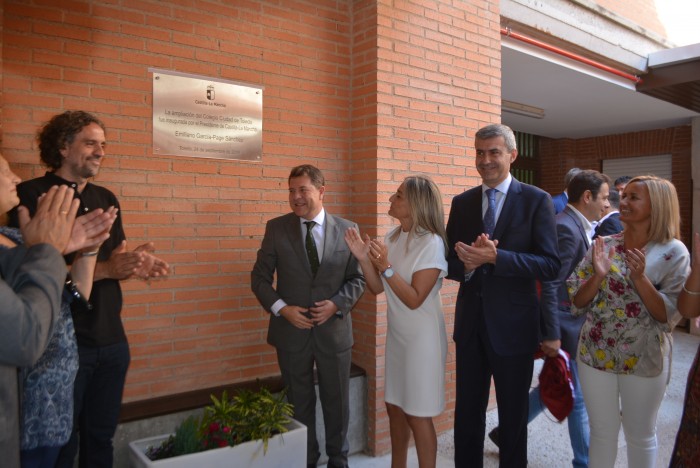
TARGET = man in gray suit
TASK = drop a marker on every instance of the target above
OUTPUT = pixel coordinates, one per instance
(318, 283)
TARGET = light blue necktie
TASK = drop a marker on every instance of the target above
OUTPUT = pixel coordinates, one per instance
(490, 216)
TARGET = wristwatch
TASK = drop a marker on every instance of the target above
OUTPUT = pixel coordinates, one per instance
(388, 273)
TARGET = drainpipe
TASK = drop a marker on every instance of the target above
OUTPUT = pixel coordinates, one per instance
(579, 58)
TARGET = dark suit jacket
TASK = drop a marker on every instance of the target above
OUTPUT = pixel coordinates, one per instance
(560, 200)
(610, 226)
(506, 291)
(339, 278)
(557, 321)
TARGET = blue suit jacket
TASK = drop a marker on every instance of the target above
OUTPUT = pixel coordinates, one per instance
(557, 321)
(611, 225)
(506, 291)
(560, 200)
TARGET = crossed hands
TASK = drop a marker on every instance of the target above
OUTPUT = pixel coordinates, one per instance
(139, 263)
(307, 318)
(483, 250)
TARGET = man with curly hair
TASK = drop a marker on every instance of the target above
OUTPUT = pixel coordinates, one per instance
(72, 145)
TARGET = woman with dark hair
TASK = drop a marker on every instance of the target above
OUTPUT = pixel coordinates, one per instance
(409, 266)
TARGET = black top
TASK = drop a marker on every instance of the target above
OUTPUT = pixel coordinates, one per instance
(102, 325)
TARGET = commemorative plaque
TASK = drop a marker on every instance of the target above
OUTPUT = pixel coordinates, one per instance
(206, 117)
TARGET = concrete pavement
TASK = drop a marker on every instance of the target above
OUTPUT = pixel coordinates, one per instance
(548, 441)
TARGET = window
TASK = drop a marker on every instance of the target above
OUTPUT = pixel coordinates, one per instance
(525, 166)
(660, 166)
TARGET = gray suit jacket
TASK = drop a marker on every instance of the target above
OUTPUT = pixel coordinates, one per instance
(556, 319)
(339, 279)
(30, 301)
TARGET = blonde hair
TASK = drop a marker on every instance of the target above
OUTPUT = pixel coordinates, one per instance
(665, 218)
(425, 205)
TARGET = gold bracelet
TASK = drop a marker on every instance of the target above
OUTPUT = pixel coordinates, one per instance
(692, 293)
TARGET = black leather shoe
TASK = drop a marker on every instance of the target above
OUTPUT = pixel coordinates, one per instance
(493, 435)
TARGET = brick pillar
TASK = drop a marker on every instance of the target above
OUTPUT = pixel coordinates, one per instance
(425, 78)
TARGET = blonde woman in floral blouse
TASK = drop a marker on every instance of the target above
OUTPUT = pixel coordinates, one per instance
(628, 285)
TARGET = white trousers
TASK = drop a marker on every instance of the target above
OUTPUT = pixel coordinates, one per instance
(634, 401)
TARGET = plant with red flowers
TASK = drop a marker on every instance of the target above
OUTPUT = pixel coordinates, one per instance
(250, 415)
(217, 422)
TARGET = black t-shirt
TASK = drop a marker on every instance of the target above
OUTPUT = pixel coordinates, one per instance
(102, 325)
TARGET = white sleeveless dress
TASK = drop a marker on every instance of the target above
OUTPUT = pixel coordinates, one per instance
(416, 344)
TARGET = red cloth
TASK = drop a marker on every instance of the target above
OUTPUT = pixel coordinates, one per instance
(556, 385)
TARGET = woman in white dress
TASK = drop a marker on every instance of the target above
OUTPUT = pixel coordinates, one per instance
(409, 266)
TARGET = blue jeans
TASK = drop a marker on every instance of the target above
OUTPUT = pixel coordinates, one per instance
(40, 457)
(98, 395)
(579, 432)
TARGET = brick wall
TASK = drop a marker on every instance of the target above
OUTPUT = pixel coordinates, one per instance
(202, 326)
(367, 91)
(558, 156)
(437, 81)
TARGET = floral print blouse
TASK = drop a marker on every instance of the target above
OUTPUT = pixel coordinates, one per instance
(619, 334)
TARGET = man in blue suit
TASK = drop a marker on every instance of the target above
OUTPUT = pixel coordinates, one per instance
(560, 200)
(501, 243)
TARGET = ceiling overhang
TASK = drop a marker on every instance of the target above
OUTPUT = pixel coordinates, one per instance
(674, 76)
(577, 100)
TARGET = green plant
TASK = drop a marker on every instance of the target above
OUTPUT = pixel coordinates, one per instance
(260, 415)
(250, 415)
(185, 440)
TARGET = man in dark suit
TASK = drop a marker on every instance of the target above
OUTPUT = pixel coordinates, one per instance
(560, 200)
(588, 200)
(318, 283)
(610, 223)
(501, 243)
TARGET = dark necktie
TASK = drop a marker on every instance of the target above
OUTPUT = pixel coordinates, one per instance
(490, 216)
(311, 251)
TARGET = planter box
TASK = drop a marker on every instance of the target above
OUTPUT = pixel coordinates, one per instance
(283, 451)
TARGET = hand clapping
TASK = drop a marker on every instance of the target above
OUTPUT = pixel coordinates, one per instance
(53, 221)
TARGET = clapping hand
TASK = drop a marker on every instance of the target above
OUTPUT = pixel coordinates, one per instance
(53, 221)
(138, 263)
(151, 266)
(635, 259)
(601, 260)
(483, 250)
(358, 246)
(91, 230)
